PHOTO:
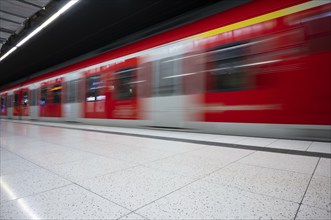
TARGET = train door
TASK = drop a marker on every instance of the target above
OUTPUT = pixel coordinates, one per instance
(33, 103)
(72, 105)
(124, 82)
(10, 105)
(95, 104)
(25, 102)
(17, 98)
(50, 104)
(167, 102)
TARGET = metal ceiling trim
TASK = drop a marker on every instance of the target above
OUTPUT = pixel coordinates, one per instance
(14, 14)
(19, 8)
(7, 30)
(30, 3)
(15, 22)
(4, 34)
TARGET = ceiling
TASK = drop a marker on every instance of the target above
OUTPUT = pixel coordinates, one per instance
(15, 16)
(87, 26)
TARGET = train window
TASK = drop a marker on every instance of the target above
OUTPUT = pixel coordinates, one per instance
(144, 78)
(43, 96)
(16, 100)
(226, 68)
(25, 99)
(9, 101)
(193, 69)
(30, 97)
(80, 90)
(3, 104)
(36, 95)
(72, 91)
(56, 93)
(94, 86)
(168, 77)
(126, 84)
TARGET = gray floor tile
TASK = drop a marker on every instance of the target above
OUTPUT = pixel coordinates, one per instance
(322, 147)
(6, 155)
(69, 202)
(324, 167)
(319, 193)
(223, 154)
(84, 169)
(132, 215)
(29, 182)
(281, 184)
(202, 200)
(312, 213)
(296, 163)
(290, 144)
(187, 165)
(258, 142)
(135, 187)
(15, 165)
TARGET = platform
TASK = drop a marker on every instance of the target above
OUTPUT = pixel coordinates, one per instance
(74, 171)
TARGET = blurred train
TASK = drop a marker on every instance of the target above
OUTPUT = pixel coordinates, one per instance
(259, 69)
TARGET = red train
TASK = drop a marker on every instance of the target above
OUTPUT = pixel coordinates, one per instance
(260, 69)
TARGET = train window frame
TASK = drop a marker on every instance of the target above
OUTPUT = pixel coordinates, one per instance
(25, 98)
(16, 98)
(72, 94)
(81, 90)
(30, 97)
(56, 94)
(43, 97)
(3, 103)
(125, 83)
(33, 97)
(93, 96)
(227, 73)
(144, 80)
(9, 101)
(169, 79)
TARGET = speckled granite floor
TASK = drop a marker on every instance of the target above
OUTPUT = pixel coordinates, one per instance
(58, 173)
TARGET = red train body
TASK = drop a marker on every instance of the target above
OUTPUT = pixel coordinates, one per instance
(262, 69)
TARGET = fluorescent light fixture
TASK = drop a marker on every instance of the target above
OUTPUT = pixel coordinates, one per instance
(42, 26)
(48, 21)
(8, 52)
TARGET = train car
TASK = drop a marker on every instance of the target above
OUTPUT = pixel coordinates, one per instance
(259, 69)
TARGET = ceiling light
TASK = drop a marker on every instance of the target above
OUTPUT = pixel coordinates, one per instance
(48, 21)
(42, 26)
(9, 52)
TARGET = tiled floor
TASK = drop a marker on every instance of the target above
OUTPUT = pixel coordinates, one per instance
(57, 173)
(281, 144)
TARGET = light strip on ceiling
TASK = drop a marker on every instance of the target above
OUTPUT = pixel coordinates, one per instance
(37, 30)
(9, 52)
